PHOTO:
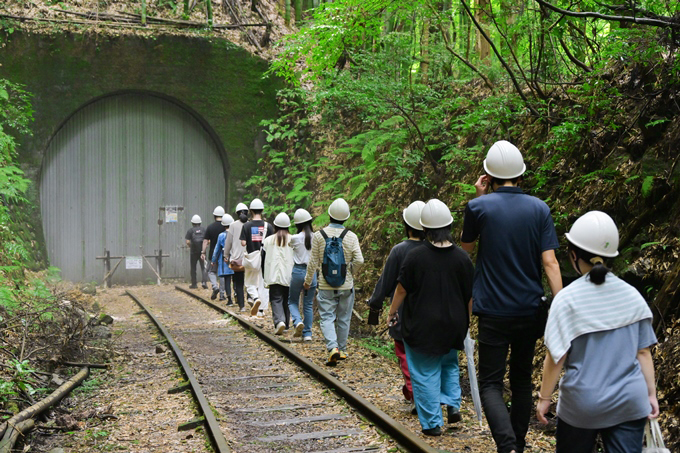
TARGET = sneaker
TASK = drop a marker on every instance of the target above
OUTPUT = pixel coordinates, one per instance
(412, 408)
(298, 330)
(256, 306)
(453, 415)
(333, 356)
(222, 298)
(242, 310)
(280, 328)
(343, 355)
(194, 286)
(307, 338)
(213, 296)
(229, 302)
(204, 286)
(436, 431)
(260, 314)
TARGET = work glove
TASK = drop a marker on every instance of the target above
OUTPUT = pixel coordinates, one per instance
(373, 317)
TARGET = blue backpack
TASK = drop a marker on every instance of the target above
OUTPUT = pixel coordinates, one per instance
(334, 268)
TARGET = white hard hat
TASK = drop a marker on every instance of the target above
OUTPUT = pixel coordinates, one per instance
(219, 211)
(227, 220)
(504, 161)
(412, 214)
(595, 232)
(282, 220)
(241, 207)
(301, 216)
(339, 210)
(256, 204)
(196, 219)
(435, 214)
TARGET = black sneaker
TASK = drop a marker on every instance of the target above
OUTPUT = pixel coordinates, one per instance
(204, 286)
(214, 294)
(229, 302)
(436, 431)
(453, 415)
(194, 286)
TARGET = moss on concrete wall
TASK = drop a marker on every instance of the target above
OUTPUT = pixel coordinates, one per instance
(215, 79)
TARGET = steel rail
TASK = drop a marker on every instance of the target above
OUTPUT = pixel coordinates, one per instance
(213, 428)
(390, 426)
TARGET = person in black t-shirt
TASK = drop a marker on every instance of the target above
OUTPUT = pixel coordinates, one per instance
(212, 233)
(252, 235)
(435, 286)
(194, 239)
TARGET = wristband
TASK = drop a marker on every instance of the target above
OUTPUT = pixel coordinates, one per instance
(543, 398)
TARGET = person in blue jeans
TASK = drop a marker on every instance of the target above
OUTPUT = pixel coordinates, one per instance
(224, 272)
(302, 248)
(600, 331)
(335, 302)
(435, 287)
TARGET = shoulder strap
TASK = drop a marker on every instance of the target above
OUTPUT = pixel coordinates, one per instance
(323, 233)
(264, 233)
(344, 232)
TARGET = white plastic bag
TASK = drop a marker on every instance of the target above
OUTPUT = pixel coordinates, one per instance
(653, 438)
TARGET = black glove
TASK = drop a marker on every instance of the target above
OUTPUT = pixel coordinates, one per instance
(374, 317)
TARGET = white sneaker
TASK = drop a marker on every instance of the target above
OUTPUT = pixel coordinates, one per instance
(307, 339)
(298, 330)
(279, 328)
(260, 314)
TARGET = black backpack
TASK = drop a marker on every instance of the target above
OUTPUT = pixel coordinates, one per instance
(333, 267)
(197, 236)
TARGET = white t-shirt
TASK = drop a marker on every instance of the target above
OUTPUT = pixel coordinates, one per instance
(300, 253)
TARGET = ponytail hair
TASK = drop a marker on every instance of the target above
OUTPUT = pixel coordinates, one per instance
(281, 236)
(307, 228)
(599, 271)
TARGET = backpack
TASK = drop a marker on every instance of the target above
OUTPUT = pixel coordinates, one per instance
(333, 267)
(197, 236)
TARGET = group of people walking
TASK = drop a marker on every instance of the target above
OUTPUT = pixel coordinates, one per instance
(278, 268)
(598, 329)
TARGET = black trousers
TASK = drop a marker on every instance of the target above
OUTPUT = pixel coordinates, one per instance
(238, 280)
(278, 300)
(195, 257)
(496, 337)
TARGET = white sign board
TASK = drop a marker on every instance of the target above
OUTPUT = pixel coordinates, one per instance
(171, 214)
(133, 262)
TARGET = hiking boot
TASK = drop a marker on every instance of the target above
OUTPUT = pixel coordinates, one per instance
(342, 356)
(280, 327)
(213, 296)
(453, 415)
(194, 286)
(333, 356)
(298, 330)
(256, 306)
(436, 431)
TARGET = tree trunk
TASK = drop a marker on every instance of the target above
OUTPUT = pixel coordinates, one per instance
(20, 429)
(425, 53)
(286, 15)
(483, 46)
(298, 11)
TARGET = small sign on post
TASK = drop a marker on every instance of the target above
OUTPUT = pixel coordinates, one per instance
(133, 262)
(171, 214)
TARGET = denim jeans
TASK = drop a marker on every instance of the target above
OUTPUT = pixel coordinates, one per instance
(225, 287)
(496, 336)
(436, 381)
(335, 314)
(622, 438)
(296, 282)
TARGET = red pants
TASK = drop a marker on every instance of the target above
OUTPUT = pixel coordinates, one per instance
(406, 389)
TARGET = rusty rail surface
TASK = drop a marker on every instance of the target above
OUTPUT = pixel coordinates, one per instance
(213, 428)
(391, 427)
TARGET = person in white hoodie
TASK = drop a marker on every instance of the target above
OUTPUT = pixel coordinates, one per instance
(277, 268)
(233, 251)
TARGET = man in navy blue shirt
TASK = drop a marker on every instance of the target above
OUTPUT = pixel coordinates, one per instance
(517, 240)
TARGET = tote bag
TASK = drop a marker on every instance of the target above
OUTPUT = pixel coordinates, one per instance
(653, 438)
(253, 260)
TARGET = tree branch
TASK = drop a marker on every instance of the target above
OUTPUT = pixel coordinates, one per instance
(573, 59)
(665, 23)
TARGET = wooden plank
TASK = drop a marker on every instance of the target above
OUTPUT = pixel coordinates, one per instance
(311, 436)
(285, 407)
(256, 376)
(298, 420)
(282, 395)
(260, 387)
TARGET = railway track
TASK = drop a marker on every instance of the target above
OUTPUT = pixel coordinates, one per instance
(257, 394)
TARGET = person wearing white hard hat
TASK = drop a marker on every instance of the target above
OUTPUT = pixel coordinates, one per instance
(388, 282)
(517, 241)
(599, 330)
(434, 287)
(277, 265)
(301, 242)
(234, 251)
(252, 235)
(335, 298)
(211, 234)
(220, 261)
(194, 240)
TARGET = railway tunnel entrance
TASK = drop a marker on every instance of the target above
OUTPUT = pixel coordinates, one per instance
(108, 171)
